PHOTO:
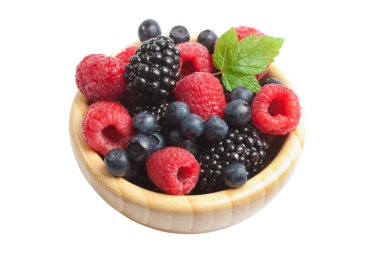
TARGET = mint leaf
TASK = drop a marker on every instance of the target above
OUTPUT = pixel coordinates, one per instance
(225, 43)
(240, 61)
(249, 82)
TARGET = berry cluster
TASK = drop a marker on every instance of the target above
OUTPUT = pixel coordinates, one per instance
(164, 119)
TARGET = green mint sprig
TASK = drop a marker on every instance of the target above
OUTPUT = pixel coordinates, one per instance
(240, 61)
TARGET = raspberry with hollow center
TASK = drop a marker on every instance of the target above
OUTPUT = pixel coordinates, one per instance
(194, 58)
(174, 170)
(106, 126)
(275, 110)
(100, 77)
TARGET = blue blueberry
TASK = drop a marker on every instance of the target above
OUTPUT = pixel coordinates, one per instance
(237, 113)
(241, 93)
(234, 175)
(191, 145)
(208, 38)
(270, 81)
(157, 141)
(118, 163)
(215, 129)
(148, 29)
(179, 34)
(192, 126)
(139, 148)
(144, 123)
(176, 112)
(176, 138)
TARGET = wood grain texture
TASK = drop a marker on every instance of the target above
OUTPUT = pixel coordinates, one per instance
(186, 214)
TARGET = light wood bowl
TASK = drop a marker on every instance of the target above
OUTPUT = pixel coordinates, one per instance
(194, 213)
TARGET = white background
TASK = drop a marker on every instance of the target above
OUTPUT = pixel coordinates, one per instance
(331, 55)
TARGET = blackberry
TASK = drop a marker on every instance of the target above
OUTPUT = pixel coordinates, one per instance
(158, 111)
(243, 145)
(153, 71)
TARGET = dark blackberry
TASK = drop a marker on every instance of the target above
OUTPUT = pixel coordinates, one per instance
(156, 110)
(153, 71)
(244, 145)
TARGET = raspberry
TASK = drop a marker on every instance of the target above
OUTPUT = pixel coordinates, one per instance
(194, 58)
(260, 76)
(203, 93)
(100, 77)
(275, 110)
(106, 126)
(127, 53)
(244, 31)
(173, 170)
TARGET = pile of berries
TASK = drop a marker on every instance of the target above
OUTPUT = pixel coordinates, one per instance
(162, 119)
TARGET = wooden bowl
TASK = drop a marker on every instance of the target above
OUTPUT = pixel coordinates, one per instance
(194, 213)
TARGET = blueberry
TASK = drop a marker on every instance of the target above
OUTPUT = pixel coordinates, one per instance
(215, 129)
(148, 29)
(118, 163)
(234, 175)
(241, 93)
(179, 34)
(192, 146)
(137, 169)
(144, 123)
(237, 113)
(192, 126)
(208, 38)
(176, 138)
(176, 112)
(270, 81)
(139, 148)
(157, 141)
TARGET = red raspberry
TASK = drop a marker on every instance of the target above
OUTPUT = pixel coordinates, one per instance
(174, 170)
(107, 125)
(275, 110)
(203, 93)
(244, 31)
(127, 53)
(194, 58)
(260, 75)
(100, 77)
